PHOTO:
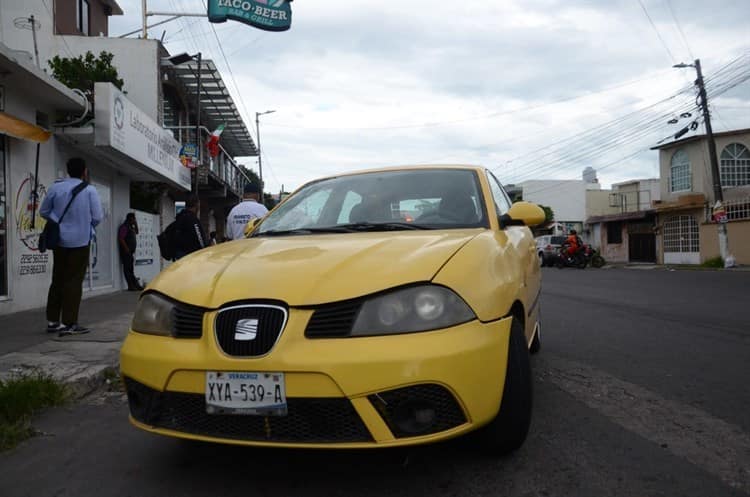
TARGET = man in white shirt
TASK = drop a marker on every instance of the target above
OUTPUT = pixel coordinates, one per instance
(243, 212)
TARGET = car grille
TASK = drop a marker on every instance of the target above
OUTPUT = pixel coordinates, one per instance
(187, 321)
(249, 330)
(448, 413)
(310, 420)
(333, 320)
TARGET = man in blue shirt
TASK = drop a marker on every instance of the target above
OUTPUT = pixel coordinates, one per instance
(71, 257)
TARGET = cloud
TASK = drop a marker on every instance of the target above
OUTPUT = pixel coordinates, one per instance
(370, 83)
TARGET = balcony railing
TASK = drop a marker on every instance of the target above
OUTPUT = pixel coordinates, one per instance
(222, 167)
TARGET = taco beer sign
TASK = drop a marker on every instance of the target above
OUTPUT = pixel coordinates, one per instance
(269, 15)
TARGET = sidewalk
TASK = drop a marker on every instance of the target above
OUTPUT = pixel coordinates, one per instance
(82, 361)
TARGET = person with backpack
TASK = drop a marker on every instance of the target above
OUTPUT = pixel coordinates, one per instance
(189, 235)
(75, 208)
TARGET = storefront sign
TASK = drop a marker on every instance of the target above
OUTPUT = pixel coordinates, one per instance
(189, 155)
(124, 127)
(269, 15)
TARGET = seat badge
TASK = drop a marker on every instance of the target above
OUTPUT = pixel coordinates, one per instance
(246, 330)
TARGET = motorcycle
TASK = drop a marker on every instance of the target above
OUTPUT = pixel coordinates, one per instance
(593, 257)
(563, 259)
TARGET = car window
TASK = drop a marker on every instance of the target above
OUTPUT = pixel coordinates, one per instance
(502, 202)
(433, 198)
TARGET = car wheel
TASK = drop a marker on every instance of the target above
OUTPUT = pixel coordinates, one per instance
(541, 259)
(536, 342)
(508, 430)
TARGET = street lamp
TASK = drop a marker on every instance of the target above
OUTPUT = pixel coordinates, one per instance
(181, 59)
(260, 160)
(729, 260)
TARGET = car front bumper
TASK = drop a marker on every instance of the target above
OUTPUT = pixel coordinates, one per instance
(341, 393)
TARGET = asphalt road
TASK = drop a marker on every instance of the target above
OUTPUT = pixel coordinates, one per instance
(640, 390)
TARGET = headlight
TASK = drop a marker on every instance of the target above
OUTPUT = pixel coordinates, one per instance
(420, 308)
(153, 315)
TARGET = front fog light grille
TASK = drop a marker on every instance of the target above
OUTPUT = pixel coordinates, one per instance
(418, 410)
(310, 420)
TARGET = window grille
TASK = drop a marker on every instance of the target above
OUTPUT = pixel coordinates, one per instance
(735, 165)
(680, 179)
(681, 234)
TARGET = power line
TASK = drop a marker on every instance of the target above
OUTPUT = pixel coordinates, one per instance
(679, 28)
(477, 118)
(657, 31)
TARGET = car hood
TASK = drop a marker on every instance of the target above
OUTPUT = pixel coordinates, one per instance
(309, 269)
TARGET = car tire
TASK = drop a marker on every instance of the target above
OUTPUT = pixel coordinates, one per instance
(536, 342)
(542, 263)
(508, 430)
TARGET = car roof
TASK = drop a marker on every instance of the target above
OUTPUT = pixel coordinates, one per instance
(412, 167)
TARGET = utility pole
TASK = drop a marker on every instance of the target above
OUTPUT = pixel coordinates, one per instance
(729, 260)
(260, 160)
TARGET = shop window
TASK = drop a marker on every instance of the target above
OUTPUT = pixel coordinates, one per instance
(614, 232)
(735, 165)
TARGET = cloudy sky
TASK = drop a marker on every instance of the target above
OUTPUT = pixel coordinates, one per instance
(532, 89)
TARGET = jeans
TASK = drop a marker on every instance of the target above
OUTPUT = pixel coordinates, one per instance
(127, 268)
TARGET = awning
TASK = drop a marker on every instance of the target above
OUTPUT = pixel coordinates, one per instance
(217, 106)
(18, 128)
(621, 216)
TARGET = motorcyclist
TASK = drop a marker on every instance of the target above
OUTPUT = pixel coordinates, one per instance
(574, 243)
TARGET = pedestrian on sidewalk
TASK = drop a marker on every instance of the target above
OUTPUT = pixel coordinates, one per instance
(190, 234)
(82, 210)
(127, 242)
(250, 208)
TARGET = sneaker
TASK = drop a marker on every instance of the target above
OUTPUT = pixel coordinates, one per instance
(53, 326)
(73, 329)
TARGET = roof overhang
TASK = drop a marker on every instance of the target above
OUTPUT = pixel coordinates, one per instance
(217, 106)
(621, 216)
(115, 9)
(18, 71)
(696, 138)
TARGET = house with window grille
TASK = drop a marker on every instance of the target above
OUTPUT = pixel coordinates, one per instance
(686, 230)
(622, 220)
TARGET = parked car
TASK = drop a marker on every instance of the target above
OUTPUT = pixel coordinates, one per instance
(340, 323)
(547, 247)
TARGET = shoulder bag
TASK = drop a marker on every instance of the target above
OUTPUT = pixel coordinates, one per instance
(50, 235)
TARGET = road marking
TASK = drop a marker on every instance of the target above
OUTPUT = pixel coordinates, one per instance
(720, 448)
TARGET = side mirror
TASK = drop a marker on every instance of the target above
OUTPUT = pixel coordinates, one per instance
(250, 226)
(523, 214)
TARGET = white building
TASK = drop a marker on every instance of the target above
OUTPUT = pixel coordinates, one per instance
(118, 151)
(566, 198)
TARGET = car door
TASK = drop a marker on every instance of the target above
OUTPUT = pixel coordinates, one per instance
(522, 240)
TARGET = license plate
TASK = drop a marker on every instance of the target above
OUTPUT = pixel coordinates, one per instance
(260, 394)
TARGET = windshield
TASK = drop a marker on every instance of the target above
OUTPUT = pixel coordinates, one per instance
(385, 200)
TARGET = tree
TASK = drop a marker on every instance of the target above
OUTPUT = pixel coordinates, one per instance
(83, 71)
(549, 214)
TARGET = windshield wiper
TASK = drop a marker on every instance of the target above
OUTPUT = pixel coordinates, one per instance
(389, 226)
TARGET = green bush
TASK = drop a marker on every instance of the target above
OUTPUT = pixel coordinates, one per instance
(714, 262)
(20, 398)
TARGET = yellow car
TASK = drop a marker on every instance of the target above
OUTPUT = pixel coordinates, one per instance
(380, 308)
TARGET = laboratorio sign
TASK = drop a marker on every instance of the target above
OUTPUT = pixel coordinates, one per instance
(163, 140)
